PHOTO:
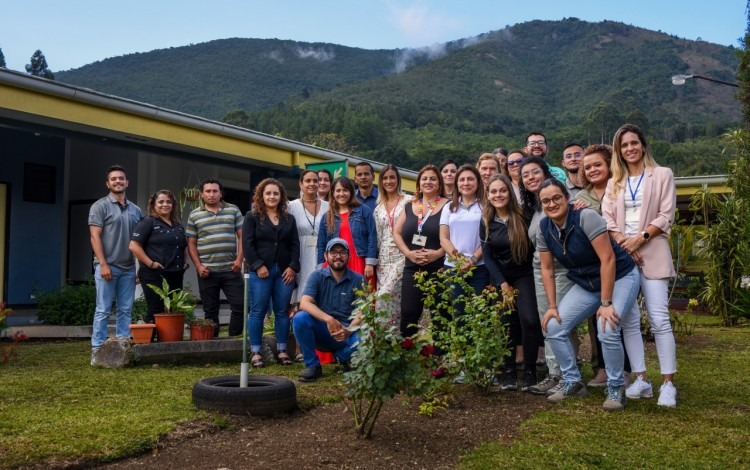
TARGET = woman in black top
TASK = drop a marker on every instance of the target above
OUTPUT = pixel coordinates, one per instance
(159, 243)
(417, 235)
(270, 244)
(508, 252)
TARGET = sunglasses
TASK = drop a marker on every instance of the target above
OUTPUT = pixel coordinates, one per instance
(515, 162)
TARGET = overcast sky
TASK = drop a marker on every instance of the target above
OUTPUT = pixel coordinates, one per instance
(73, 33)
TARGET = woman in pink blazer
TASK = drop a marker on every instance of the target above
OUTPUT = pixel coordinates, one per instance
(639, 206)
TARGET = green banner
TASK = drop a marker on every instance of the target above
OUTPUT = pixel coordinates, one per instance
(336, 168)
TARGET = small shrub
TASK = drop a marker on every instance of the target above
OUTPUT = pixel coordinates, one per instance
(69, 305)
(384, 364)
(475, 342)
(8, 351)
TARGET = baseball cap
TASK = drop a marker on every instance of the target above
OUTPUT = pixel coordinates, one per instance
(337, 241)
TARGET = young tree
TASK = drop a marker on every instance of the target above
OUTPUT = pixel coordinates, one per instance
(2, 59)
(38, 66)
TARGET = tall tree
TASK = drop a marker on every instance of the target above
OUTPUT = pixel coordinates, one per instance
(743, 70)
(2, 59)
(38, 66)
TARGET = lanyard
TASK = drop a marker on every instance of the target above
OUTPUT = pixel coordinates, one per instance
(431, 207)
(633, 194)
(304, 212)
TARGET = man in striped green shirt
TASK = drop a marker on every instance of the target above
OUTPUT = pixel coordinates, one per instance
(214, 234)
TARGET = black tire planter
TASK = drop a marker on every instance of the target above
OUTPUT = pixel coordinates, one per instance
(265, 395)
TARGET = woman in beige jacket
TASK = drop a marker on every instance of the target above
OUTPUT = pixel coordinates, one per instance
(639, 207)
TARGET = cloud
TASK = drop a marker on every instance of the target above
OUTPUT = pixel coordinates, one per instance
(420, 25)
(276, 55)
(408, 57)
(321, 55)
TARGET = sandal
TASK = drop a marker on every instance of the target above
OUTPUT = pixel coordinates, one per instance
(257, 363)
(283, 358)
(299, 358)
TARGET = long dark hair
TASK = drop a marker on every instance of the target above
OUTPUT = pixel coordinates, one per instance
(259, 206)
(529, 200)
(333, 205)
(518, 237)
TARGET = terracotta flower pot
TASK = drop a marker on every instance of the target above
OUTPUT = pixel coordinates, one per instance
(201, 332)
(169, 326)
(142, 333)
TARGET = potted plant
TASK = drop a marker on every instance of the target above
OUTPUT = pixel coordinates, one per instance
(170, 325)
(200, 328)
(140, 331)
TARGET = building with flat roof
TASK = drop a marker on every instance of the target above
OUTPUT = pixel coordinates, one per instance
(56, 142)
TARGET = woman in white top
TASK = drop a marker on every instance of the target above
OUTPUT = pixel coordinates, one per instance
(639, 207)
(308, 210)
(459, 226)
(390, 268)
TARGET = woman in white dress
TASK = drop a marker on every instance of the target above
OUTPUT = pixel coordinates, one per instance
(390, 268)
(308, 210)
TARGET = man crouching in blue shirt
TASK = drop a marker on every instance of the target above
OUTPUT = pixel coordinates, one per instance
(323, 321)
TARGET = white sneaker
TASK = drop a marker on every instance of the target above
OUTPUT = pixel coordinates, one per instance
(639, 389)
(667, 395)
(93, 355)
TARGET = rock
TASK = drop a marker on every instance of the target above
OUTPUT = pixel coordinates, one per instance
(114, 353)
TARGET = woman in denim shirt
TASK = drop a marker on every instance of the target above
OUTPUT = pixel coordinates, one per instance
(347, 218)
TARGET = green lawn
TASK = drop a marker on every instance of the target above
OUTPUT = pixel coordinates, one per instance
(54, 407)
(708, 429)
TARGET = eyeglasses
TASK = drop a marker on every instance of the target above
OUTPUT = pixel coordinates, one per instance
(536, 143)
(528, 174)
(554, 199)
(338, 253)
(570, 156)
(515, 162)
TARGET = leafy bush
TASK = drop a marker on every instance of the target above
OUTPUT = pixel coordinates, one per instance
(384, 364)
(475, 342)
(68, 305)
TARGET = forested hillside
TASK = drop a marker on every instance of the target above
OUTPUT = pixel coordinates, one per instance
(573, 80)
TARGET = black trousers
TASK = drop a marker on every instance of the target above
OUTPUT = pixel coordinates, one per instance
(234, 289)
(524, 323)
(412, 300)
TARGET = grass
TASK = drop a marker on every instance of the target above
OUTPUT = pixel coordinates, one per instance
(55, 407)
(708, 429)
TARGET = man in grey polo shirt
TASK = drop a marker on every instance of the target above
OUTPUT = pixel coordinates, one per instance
(111, 223)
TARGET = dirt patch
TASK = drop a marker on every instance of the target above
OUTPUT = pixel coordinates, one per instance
(323, 437)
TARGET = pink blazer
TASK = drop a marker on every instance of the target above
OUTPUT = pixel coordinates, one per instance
(659, 202)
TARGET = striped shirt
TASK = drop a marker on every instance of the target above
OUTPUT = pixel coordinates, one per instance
(216, 235)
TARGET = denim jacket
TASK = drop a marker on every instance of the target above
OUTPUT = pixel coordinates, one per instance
(574, 251)
(362, 225)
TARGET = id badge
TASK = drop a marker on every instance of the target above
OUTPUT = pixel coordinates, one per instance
(311, 241)
(419, 240)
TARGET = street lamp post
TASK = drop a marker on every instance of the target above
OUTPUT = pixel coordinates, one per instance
(680, 79)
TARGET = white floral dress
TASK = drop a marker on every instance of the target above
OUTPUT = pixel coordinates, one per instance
(307, 228)
(390, 268)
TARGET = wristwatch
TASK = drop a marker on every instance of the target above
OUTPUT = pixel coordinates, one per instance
(646, 236)
(606, 303)
(474, 259)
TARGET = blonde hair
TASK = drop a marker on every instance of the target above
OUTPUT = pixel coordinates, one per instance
(619, 165)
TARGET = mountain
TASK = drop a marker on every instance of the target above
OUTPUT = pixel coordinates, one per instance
(212, 78)
(572, 79)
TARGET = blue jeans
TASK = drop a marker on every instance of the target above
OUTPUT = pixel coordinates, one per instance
(120, 288)
(579, 304)
(312, 333)
(264, 293)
